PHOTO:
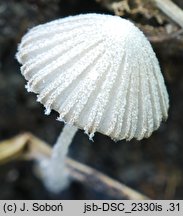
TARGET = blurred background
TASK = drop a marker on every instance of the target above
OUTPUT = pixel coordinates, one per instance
(153, 166)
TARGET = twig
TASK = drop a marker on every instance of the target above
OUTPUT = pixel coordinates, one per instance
(171, 10)
(163, 38)
(101, 182)
(26, 146)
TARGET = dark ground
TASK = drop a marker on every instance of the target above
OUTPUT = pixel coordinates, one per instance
(153, 166)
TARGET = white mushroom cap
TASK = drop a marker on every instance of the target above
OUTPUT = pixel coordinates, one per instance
(98, 72)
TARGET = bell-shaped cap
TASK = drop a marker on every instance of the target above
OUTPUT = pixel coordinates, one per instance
(98, 72)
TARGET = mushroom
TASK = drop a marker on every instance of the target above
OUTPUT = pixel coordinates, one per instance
(100, 73)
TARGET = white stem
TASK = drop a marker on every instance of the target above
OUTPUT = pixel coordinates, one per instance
(54, 173)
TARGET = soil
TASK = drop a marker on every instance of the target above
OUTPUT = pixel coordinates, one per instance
(153, 166)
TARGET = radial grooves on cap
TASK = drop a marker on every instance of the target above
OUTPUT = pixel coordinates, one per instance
(93, 88)
(154, 107)
(102, 98)
(161, 89)
(82, 90)
(41, 58)
(77, 110)
(62, 41)
(112, 109)
(157, 92)
(122, 99)
(149, 106)
(141, 126)
(134, 121)
(90, 116)
(63, 60)
(56, 93)
(125, 127)
(45, 29)
(72, 73)
(89, 128)
(153, 92)
(149, 117)
(29, 51)
(50, 41)
(107, 124)
(148, 102)
(134, 111)
(155, 101)
(131, 101)
(34, 42)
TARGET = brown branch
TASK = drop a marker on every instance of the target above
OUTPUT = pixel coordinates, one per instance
(101, 182)
(171, 10)
(167, 37)
(27, 146)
